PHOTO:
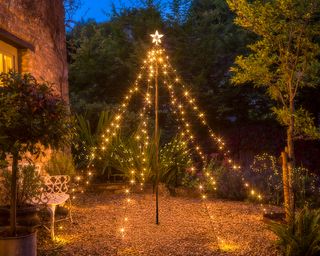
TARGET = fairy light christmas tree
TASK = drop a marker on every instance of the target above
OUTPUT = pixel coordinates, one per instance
(156, 73)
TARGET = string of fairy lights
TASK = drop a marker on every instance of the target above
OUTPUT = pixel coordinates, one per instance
(142, 136)
(109, 133)
(143, 133)
(187, 130)
(207, 178)
(191, 101)
(113, 129)
(181, 104)
(181, 108)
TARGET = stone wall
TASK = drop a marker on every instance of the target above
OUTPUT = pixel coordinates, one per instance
(40, 23)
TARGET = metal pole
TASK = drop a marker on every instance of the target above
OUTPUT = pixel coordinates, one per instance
(156, 138)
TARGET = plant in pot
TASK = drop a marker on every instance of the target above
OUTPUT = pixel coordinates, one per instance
(29, 187)
(32, 118)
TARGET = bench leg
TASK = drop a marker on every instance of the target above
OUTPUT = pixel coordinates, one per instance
(70, 216)
(52, 209)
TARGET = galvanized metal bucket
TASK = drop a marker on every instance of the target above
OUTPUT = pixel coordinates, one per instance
(19, 246)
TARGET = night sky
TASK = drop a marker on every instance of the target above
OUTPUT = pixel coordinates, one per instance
(99, 9)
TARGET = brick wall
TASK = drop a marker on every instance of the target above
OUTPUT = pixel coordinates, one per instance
(41, 23)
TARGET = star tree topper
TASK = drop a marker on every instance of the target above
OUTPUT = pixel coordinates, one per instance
(156, 37)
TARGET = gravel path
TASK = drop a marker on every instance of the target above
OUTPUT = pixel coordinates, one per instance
(187, 227)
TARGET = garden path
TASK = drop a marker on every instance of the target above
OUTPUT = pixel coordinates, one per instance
(236, 228)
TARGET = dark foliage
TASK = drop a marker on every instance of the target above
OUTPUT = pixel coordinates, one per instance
(302, 236)
(32, 118)
(202, 41)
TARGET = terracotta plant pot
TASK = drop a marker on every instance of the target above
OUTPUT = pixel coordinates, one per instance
(24, 245)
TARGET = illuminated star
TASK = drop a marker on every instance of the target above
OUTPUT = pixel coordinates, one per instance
(156, 37)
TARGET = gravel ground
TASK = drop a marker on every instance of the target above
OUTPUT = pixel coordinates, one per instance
(187, 227)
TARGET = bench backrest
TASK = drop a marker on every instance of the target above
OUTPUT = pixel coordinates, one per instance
(56, 183)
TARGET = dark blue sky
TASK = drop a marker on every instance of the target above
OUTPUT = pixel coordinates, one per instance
(94, 9)
(99, 9)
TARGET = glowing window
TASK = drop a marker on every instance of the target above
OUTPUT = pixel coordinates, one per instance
(8, 57)
(1, 62)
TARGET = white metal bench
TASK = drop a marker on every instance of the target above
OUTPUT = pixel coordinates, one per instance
(55, 193)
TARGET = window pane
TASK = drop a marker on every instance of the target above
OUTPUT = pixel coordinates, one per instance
(8, 63)
(1, 63)
(8, 57)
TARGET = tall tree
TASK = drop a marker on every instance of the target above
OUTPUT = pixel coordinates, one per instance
(284, 59)
(204, 44)
(104, 56)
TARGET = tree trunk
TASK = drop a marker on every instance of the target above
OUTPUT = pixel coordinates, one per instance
(285, 180)
(13, 204)
(290, 153)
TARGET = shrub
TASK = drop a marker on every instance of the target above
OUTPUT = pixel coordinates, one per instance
(175, 158)
(126, 155)
(88, 137)
(90, 126)
(60, 164)
(302, 236)
(29, 185)
(228, 183)
(266, 175)
(306, 188)
(190, 179)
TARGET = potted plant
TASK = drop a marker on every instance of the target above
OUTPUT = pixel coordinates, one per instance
(29, 189)
(32, 118)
